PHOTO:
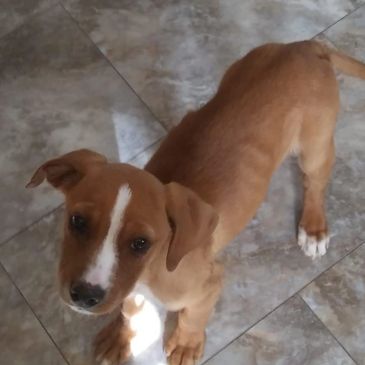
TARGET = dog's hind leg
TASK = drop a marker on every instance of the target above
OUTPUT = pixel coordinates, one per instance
(315, 160)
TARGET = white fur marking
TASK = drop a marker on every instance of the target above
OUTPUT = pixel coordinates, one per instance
(101, 271)
(311, 246)
(80, 310)
(143, 291)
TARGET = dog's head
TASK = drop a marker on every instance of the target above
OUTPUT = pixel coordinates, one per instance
(118, 220)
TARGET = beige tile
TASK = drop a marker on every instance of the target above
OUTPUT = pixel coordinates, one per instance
(142, 158)
(291, 335)
(22, 338)
(338, 299)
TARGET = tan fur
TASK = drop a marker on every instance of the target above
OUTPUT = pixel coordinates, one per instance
(220, 159)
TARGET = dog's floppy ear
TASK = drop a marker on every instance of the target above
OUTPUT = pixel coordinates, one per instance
(65, 171)
(193, 222)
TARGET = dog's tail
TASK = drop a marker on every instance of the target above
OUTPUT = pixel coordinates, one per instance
(344, 63)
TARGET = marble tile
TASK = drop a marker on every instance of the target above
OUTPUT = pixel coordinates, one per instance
(142, 158)
(15, 12)
(338, 299)
(174, 53)
(58, 93)
(350, 148)
(349, 34)
(291, 335)
(22, 338)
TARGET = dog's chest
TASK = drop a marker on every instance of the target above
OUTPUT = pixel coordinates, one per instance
(143, 290)
(169, 301)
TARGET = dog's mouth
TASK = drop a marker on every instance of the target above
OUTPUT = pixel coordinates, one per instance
(80, 310)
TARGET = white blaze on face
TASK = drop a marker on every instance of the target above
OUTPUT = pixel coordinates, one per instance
(101, 271)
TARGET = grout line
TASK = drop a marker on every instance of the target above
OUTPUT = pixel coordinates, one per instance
(113, 67)
(333, 24)
(145, 149)
(329, 331)
(6, 240)
(246, 330)
(282, 303)
(34, 314)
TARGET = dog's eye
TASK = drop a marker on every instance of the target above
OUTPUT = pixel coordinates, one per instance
(140, 245)
(78, 223)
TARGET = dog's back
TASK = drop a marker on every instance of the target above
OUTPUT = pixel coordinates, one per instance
(266, 104)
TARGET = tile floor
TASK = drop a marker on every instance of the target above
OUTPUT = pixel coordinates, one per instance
(115, 76)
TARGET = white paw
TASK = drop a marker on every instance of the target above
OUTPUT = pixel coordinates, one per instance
(311, 246)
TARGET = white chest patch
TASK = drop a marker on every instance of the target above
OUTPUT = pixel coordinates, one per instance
(101, 270)
(143, 291)
(146, 323)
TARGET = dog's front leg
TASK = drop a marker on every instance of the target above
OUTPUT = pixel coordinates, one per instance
(186, 344)
(112, 345)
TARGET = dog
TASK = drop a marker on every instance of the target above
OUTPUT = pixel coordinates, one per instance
(159, 229)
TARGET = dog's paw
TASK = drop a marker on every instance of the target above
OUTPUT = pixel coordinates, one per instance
(112, 344)
(312, 246)
(185, 348)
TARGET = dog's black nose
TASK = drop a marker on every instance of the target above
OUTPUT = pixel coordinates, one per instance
(85, 295)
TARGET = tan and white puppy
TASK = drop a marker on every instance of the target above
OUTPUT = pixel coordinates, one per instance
(160, 228)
